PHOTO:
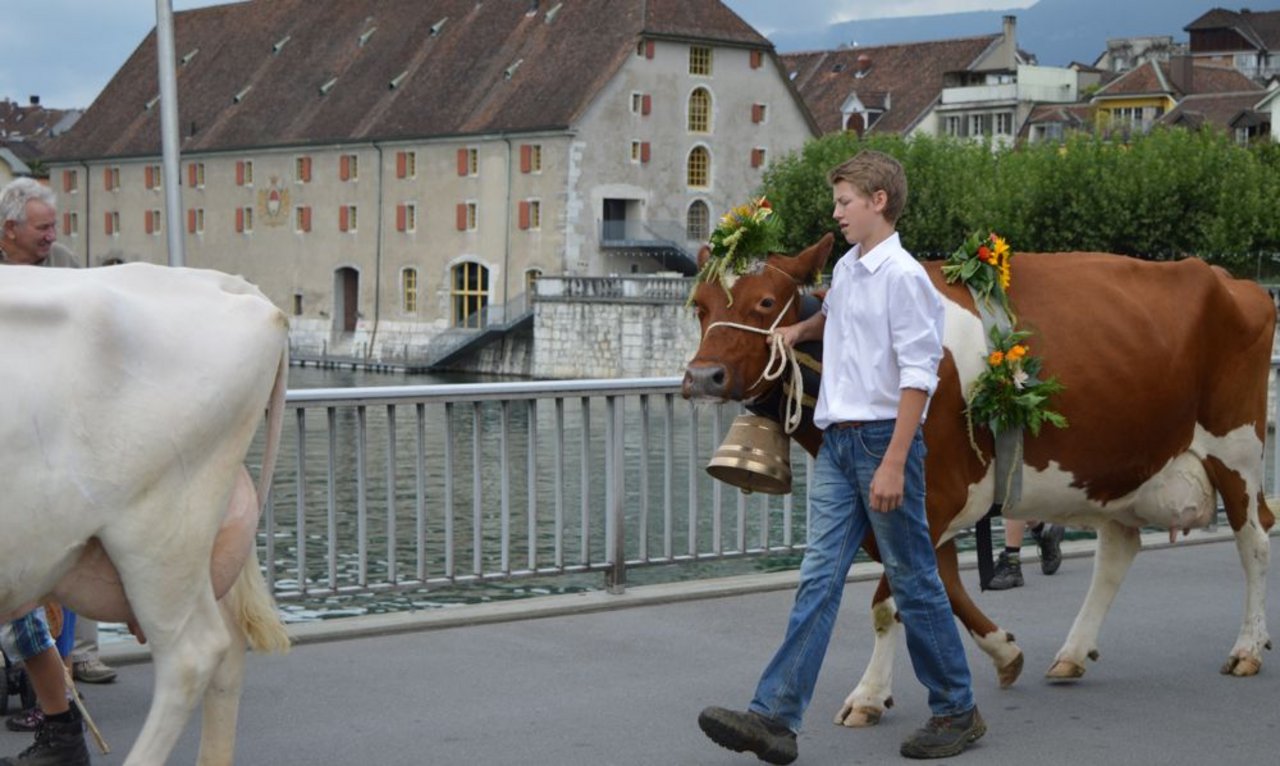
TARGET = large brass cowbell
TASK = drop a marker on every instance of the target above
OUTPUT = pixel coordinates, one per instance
(755, 456)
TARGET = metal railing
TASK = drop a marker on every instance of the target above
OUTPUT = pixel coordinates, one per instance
(427, 487)
(422, 487)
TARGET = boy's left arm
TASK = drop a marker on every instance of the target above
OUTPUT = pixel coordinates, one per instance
(887, 484)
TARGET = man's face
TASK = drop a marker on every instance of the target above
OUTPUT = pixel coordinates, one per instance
(29, 242)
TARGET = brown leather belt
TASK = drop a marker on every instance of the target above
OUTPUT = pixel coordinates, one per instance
(845, 424)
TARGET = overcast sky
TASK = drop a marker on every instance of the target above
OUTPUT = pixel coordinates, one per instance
(65, 51)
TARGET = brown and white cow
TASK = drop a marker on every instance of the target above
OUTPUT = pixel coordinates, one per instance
(1165, 367)
(130, 397)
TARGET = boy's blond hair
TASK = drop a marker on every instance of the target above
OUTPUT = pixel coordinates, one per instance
(870, 171)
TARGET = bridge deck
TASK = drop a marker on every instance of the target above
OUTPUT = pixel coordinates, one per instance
(624, 686)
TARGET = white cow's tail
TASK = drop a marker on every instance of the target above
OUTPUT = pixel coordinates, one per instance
(254, 610)
(275, 426)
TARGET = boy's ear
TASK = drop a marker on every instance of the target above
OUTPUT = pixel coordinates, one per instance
(879, 200)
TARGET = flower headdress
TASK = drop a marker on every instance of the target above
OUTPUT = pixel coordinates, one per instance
(746, 233)
(982, 263)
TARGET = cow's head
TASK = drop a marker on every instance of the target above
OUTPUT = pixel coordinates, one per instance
(730, 360)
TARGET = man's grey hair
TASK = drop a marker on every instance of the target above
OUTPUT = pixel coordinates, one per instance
(17, 193)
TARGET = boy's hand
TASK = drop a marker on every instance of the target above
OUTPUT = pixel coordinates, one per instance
(791, 334)
(886, 487)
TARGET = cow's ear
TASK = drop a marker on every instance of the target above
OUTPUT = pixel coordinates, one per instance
(804, 266)
(703, 255)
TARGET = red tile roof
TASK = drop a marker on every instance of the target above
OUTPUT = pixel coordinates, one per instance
(1259, 29)
(460, 67)
(909, 76)
(1156, 78)
(1216, 109)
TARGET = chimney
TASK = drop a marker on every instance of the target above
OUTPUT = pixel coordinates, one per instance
(35, 100)
(1010, 30)
(1182, 73)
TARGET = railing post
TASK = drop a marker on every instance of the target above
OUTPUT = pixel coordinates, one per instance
(615, 527)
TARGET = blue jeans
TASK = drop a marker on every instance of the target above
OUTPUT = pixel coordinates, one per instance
(840, 516)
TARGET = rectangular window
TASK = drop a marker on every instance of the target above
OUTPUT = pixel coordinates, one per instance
(151, 174)
(244, 220)
(347, 216)
(302, 169)
(410, 291)
(758, 156)
(758, 113)
(111, 178)
(71, 224)
(112, 223)
(1004, 124)
(468, 162)
(195, 175)
(637, 99)
(531, 214)
(244, 173)
(645, 48)
(70, 181)
(349, 167)
(531, 158)
(640, 151)
(151, 221)
(407, 217)
(195, 220)
(979, 125)
(302, 219)
(406, 164)
(757, 58)
(467, 214)
(953, 126)
(700, 60)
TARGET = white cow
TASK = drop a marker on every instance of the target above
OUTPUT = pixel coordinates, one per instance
(128, 399)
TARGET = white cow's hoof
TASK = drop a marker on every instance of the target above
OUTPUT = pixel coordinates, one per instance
(1064, 671)
(861, 716)
(1248, 665)
(1010, 672)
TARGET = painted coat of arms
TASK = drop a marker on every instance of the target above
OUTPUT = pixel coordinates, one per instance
(273, 203)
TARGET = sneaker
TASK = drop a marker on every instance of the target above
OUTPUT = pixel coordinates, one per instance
(1049, 538)
(57, 744)
(945, 736)
(93, 671)
(28, 720)
(1008, 573)
(740, 732)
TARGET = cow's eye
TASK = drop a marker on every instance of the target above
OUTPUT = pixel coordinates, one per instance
(767, 304)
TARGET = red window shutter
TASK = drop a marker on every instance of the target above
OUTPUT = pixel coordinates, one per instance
(648, 49)
(646, 104)
(66, 224)
(644, 151)
(191, 220)
(240, 173)
(400, 218)
(191, 174)
(344, 168)
(107, 225)
(524, 214)
(146, 221)
(306, 169)
(106, 179)
(757, 112)
(464, 163)
(343, 221)
(756, 158)
(756, 59)
(306, 218)
(462, 216)
(240, 220)
(66, 180)
(402, 165)
(526, 158)
(150, 180)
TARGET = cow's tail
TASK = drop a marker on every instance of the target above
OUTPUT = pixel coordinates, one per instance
(254, 610)
(275, 426)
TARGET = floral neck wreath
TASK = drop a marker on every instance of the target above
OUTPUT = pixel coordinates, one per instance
(745, 237)
(1009, 395)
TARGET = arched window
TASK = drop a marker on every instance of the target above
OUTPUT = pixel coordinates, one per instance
(470, 294)
(409, 290)
(700, 111)
(698, 221)
(698, 168)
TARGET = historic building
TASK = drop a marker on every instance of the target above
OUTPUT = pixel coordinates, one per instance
(395, 172)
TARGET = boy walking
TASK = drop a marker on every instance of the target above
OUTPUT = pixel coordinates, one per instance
(881, 326)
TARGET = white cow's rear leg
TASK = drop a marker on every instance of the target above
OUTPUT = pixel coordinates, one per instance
(1255, 555)
(866, 704)
(222, 696)
(1117, 547)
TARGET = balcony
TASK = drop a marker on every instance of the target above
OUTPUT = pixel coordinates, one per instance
(654, 239)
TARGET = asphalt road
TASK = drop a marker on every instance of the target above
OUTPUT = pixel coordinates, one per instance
(624, 686)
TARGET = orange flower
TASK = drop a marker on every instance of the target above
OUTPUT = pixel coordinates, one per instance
(1017, 352)
(984, 254)
(996, 358)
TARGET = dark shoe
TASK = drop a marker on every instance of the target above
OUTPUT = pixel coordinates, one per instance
(57, 744)
(741, 732)
(1008, 574)
(944, 736)
(93, 671)
(1049, 538)
(28, 720)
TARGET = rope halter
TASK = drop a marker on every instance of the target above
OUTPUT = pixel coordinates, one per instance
(781, 357)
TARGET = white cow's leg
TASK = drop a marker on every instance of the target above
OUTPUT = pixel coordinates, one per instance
(1255, 555)
(1117, 547)
(866, 704)
(222, 697)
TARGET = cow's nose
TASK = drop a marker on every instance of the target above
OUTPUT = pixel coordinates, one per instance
(706, 380)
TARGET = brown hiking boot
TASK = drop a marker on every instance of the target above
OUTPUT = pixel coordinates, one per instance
(944, 736)
(741, 732)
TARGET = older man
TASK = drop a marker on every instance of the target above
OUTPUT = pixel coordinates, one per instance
(28, 231)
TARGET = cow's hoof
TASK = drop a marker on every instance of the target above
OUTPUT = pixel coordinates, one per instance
(861, 716)
(1242, 666)
(1010, 672)
(1064, 671)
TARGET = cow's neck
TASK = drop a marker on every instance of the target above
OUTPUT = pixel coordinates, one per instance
(773, 404)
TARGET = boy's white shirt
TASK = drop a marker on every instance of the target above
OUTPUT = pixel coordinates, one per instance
(883, 333)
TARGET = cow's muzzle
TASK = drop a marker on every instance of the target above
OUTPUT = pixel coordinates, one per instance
(706, 380)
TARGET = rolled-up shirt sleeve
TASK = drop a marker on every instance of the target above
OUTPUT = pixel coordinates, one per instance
(916, 322)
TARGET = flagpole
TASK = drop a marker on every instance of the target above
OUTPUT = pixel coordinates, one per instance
(169, 132)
